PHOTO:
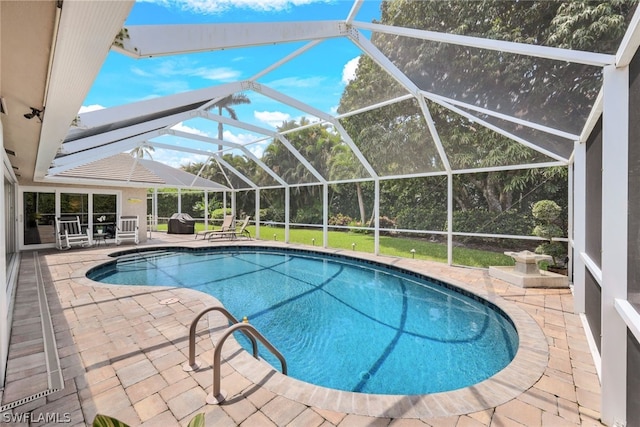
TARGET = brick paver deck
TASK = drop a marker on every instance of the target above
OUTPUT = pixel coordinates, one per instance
(121, 351)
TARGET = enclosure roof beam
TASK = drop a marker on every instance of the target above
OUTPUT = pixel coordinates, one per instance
(71, 161)
(558, 54)
(301, 159)
(246, 152)
(383, 61)
(200, 152)
(164, 40)
(99, 139)
(357, 4)
(434, 133)
(236, 123)
(501, 131)
(512, 119)
(134, 110)
(286, 59)
(630, 41)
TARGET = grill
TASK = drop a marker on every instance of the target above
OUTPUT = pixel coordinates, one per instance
(181, 223)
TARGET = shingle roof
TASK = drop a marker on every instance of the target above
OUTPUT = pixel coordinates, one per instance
(124, 168)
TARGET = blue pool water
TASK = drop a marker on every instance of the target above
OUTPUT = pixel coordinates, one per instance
(340, 323)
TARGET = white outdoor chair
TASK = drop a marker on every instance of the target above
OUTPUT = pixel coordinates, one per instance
(69, 233)
(127, 229)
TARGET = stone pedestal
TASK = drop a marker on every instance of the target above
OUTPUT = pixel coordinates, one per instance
(526, 273)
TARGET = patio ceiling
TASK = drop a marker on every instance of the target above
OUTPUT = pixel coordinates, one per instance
(86, 32)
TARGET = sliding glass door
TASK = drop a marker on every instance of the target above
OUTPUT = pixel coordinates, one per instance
(96, 209)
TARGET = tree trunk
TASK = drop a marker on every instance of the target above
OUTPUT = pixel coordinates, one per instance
(360, 203)
(220, 129)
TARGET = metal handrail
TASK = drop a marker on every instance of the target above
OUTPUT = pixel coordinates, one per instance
(192, 364)
(218, 396)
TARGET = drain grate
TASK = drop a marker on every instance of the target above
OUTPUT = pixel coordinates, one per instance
(27, 399)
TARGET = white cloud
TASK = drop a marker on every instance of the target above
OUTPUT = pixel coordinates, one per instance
(349, 70)
(184, 67)
(219, 6)
(140, 72)
(222, 74)
(184, 128)
(296, 82)
(272, 118)
(240, 138)
(87, 108)
(175, 158)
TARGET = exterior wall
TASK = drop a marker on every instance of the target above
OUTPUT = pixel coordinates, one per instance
(134, 202)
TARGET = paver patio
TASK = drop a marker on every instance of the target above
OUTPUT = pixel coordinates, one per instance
(121, 351)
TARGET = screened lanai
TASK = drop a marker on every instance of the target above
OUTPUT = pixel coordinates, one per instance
(447, 110)
(440, 121)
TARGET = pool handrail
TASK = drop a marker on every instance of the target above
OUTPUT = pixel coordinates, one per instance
(192, 364)
(218, 396)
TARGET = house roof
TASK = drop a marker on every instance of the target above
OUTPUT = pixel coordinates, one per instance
(127, 170)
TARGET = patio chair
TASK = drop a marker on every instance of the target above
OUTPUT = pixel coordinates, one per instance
(69, 233)
(127, 229)
(227, 223)
(234, 233)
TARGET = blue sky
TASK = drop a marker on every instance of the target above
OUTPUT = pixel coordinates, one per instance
(318, 77)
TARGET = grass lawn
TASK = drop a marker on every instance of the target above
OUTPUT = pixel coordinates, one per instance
(389, 245)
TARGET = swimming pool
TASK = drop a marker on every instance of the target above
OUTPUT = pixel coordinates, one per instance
(341, 324)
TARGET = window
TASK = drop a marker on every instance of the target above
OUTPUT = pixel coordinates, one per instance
(39, 217)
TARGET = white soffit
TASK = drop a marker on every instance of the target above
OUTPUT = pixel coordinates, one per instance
(85, 34)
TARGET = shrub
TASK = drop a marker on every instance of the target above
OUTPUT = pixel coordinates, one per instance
(272, 214)
(422, 218)
(547, 212)
(339, 219)
(484, 221)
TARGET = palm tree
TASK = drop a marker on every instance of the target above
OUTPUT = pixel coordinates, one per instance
(225, 104)
(141, 150)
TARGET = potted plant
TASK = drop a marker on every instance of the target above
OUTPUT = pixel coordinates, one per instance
(546, 213)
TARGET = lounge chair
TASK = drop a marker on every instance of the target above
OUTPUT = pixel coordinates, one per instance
(69, 233)
(227, 224)
(127, 229)
(234, 233)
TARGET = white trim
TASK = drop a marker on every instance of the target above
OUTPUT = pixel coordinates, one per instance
(630, 42)
(615, 175)
(579, 226)
(630, 316)
(592, 267)
(593, 346)
(594, 116)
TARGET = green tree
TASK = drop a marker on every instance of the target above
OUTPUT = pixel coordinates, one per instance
(553, 93)
(226, 104)
(143, 150)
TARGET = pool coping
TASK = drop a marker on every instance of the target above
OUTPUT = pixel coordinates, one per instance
(521, 374)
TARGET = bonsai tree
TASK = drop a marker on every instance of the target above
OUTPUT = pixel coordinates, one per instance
(546, 213)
